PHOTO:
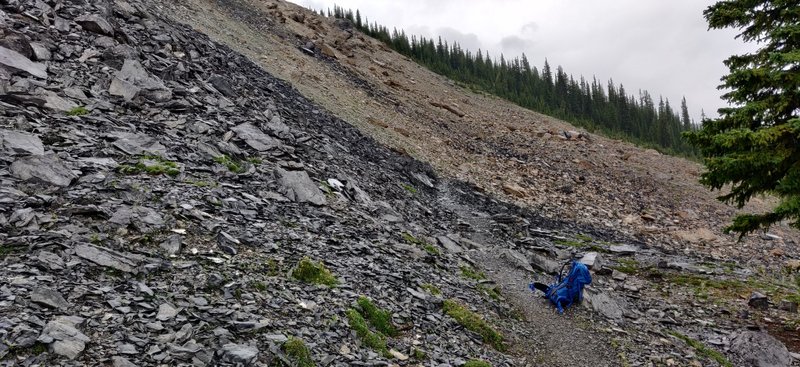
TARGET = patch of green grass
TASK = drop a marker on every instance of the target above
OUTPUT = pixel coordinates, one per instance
(374, 340)
(201, 183)
(255, 160)
(260, 286)
(429, 248)
(411, 189)
(492, 292)
(6, 250)
(232, 165)
(418, 354)
(152, 165)
(78, 111)
(473, 322)
(701, 349)
(378, 318)
(297, 351)
(470, 273)
(313, 272)
(432, 289)
(583, 237)
(627, 266)
(477, 363)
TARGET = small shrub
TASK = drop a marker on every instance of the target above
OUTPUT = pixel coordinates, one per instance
(380, 319)
(431, 249)
(78, 111)
(432, 289)
(410, 189)
(477, 363)
(232, 165)
(702, 350)
(313, 272)
(375, 340)
(260, 286)
(473, 322)
(298, 352)
(152, 165)
(470, 273)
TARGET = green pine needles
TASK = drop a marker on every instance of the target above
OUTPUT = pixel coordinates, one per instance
(755, 145)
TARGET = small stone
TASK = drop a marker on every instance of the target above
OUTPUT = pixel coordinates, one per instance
(95, 23)
(166, 312)
(49, 298)
(592, 260)
(117, 361)
(398, 355)
(789, 306)
(758, 301)
(239, 353)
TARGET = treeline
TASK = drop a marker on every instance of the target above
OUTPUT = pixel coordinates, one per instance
(591, 104)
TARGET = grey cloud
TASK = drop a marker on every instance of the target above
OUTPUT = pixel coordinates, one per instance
(515, 45)
(468, 41)
(529, 28)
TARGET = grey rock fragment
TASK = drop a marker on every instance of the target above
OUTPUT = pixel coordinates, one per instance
(49, 298)
(758, 301)
(623, 249)
(759, 349)
(16, 62)
(298, 187)
(515, 259)
(40, 51)
(592, 260)
(46, 169)
(603, 304)
(133, 80)
(239, 353)
(449, 245)
(95, 23)
(15, 142)
(166, 312)
(255, 138)
(63, 338)
(544, 263)
(140, 216)
(118, 361)
(172, 245)
(105, 257)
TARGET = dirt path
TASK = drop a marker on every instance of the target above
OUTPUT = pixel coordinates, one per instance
(544, 338)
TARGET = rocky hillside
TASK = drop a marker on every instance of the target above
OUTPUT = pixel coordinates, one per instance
(166, 201)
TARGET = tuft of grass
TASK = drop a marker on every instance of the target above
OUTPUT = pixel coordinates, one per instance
(477, 363)
(313, 272)
(260, 286)
(152, 165)
(432, 289)
(492, 292)
(232, 165)
(418, 354)
(375, 340)
(411, 189)
(627, 266)
(78, 111)
(470, 273)
(6, 250)
(297, 351)
(701, 349)
(429, 248)
(473, 322)
(380, 319)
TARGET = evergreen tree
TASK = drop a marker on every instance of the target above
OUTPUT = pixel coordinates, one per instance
(755, 144)
(685, 119)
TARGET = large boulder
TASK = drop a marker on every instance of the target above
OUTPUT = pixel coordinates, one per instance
(16, 62)
(43, 169)
(133, 81)
(298, 187)
(15, 142)
(759, 349)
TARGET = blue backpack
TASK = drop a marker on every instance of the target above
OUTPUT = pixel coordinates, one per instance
(567, 290)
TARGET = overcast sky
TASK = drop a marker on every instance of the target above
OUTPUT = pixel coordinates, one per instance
(664, 47)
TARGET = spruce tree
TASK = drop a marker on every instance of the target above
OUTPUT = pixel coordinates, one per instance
(755, 144)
